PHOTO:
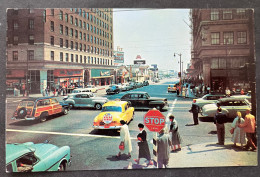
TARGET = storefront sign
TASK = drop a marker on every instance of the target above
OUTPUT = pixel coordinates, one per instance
(100, 72)
(118, 57)
(67, 72)
(15, 73)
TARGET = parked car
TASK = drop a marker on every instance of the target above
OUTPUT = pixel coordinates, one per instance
(145, 83)
(81, 90)
(39, 109)
(139, 84)
(126, 87)
(247, 96)
(113, 89)
(172, 88)
(111, 114)
(133, 85)
(143, 100)
(85, 100)
(208, 99)
(229, 106)
(92, 88)
(30, 157)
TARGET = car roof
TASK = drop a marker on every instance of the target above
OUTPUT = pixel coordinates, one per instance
(115, 103)
(231, 99)
(81, 93)
(136, 92)
(36, 98)
(82, 89)
(13, 151)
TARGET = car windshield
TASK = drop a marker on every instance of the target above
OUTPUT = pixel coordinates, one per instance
(26, 103)
(111, 109)
(76, 91)
(89, 86)
(204, 97)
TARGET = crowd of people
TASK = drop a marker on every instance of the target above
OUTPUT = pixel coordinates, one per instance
(166, 142)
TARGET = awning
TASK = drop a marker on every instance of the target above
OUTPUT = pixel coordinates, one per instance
(102, 77)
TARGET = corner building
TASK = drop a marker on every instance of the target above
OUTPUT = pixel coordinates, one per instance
(56, 47)
(221, 47)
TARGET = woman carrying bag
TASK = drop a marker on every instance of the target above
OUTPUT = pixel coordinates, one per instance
(239, 136)
(176, 139)
(125, 145)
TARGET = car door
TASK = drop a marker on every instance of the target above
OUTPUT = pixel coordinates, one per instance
(241, 106)
(77, 100)
(57, 108)
(134, 100)
(85, 100)
(228, 105)
(143, 100)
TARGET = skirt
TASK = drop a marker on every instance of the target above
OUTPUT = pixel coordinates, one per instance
(144, 151)
(176, 138)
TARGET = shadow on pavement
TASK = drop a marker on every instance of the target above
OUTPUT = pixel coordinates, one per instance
(105, 132)
(123, 157)
(213, 132)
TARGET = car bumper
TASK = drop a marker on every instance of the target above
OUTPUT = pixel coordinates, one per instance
(106, 127)
(26, 118)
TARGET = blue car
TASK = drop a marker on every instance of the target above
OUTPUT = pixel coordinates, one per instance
(30, 157)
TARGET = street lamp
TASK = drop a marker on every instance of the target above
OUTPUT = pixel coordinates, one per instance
(180, 66)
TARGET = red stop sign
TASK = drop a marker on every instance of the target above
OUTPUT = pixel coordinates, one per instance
(154, 120)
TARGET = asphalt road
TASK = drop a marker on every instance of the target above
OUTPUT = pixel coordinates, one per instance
(94, 150)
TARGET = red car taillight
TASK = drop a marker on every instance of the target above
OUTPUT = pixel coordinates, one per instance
(194, 100)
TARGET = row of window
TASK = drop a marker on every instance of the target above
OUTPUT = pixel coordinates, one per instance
(227, 63)
(84, 47)
(228, 37)
(88, 16)
(82, 59)
(78, 34)
(78, 58)
(226, 14)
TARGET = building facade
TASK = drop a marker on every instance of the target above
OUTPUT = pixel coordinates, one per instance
(56, 47)
(221, 47)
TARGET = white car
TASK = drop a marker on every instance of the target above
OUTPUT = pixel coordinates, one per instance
(92, 88)
(81, 90)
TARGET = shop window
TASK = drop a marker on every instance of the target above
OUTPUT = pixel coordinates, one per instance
(15, 55)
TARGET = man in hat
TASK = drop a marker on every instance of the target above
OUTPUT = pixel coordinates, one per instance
(249, 127)
(163, 148)
(220, 119)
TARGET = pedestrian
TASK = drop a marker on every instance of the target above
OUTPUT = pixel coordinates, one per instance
(187, 91)
(239, 136)
(249, 127)
(183, 91)
(54, 91)
(176, 138)
(233, 92)
(23, 89)
(195, 111)
(163, 149)
(242, 92)
(125, 140)
(178, 90)
(227, 91)
(208, 89)
(47, 91)
(144, 151)
(64, 90)
(220, 120)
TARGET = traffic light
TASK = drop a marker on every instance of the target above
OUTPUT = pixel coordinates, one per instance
(179, 74)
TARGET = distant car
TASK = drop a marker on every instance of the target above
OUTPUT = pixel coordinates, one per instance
(146, 83)
(30, 157)
(172, 88)
(81, 90)
(208, 99)
(126, 87)
(39, 109)
(139, 84)
(133, 85)
(229, 106)
(85, 100)
(113, 89)
(92, 88)
(143, 100)
(111, 114)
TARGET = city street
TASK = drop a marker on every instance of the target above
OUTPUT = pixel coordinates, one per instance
(92, 149)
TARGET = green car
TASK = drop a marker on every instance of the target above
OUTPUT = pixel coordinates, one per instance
(30, 157)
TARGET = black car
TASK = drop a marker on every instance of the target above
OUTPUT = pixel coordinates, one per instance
(145, 83)
(113, 89)
(143, 100)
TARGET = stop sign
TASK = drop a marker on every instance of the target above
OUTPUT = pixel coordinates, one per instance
(154, 120)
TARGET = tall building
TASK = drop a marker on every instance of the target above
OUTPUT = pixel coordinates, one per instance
(55, 47)
(222, 47)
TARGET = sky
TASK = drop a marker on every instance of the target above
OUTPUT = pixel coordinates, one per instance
(155, 34)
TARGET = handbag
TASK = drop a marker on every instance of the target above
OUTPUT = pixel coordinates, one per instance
(122, 146)
(231, 130)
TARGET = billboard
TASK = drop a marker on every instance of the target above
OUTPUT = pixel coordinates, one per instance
(118, 57)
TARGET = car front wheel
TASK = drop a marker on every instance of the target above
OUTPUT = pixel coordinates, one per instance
(158, 107)
(65, 111)
(98, 106)
(43, 117)
(61, 167)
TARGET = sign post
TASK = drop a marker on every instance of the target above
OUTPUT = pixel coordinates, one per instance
(154, 120)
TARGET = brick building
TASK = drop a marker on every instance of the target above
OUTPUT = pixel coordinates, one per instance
(222, 46)
(55, 47)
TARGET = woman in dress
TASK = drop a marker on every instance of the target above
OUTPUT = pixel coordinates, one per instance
(176, 139)
(144, 151)
(125, 138)
(239, 136)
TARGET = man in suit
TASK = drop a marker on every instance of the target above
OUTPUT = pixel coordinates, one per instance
(163, 149)
(220, 119)
(195, 111)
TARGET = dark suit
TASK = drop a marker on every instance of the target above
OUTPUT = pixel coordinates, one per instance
(195, 111)
(220, 119)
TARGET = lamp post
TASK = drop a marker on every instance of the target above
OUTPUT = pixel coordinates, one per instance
(180, 66)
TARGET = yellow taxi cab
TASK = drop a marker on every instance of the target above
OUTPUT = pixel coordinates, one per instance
(172, 88)
(111, 114)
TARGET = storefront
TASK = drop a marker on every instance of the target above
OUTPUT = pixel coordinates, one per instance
(14, 79)
(101, 77)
